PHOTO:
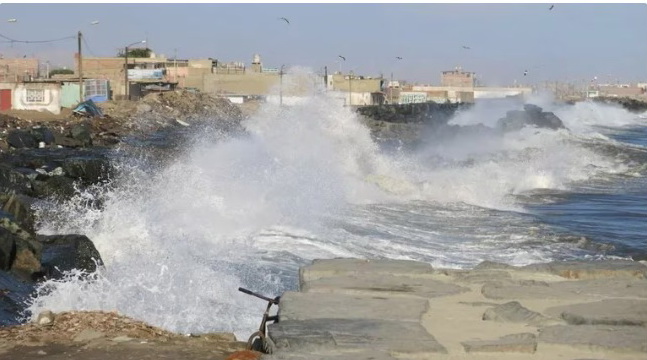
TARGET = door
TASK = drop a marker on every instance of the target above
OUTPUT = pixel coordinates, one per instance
(5, 99)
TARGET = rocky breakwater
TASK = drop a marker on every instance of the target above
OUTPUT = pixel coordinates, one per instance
(394, 309)
(45, 162)
(405, 122)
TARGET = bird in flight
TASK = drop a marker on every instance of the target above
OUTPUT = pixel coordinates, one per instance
(551, 7)
(286, 20)
(525, 72)
(343, 58)
(398, 57)
(466, 47)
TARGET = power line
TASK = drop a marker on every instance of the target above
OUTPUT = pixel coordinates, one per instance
(85, 42)
(36, 41)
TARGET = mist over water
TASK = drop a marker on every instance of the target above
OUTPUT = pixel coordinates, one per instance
(307, 181)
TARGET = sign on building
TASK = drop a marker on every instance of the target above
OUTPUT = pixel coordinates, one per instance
(145, 74)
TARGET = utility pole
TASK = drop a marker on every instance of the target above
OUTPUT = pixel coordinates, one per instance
(350, 91)
(80, 68)
(126, 73)
(391, 90)
(281, 86)
(175, 65)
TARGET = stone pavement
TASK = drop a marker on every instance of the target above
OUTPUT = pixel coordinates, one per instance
(394, 309)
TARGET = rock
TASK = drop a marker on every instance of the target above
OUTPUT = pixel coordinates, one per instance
(81, 133)
(400, 337)
(54, 186)
(12, 181)
(513, 312)
(592, 269)
(66, 252)
(518, 343)
(606, 312)
(345, 267)
(143, 108)
(19, 207)
(45, 318)
(531, 115)
(88, 335)
(305, 306)
(491, 265)
(43, 134)
(621, 339)
(7, 249)
(90, 170)
(21, 139)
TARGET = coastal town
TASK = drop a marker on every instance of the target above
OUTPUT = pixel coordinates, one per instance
(29, 84)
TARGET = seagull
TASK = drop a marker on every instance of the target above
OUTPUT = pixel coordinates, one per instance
(286, 20)
(398, 57)
(466, 47)
(551, 7)
(525, 72)
(343, 58)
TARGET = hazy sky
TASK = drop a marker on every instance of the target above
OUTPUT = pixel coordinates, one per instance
(570, 42)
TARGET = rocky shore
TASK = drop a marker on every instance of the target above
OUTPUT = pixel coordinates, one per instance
(394, 309)
(48, 159)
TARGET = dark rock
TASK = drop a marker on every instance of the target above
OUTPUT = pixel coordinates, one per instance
(21, 139)
(90, 170)
(530, 115)
(54, 186)
(43, 134)
(12, 181)
(19, 208)
(66, 252)
(7, 249)
(81, 132)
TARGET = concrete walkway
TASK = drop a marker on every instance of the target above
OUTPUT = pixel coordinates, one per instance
(392, 309)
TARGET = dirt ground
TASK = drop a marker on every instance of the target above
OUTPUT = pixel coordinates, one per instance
(108, 336)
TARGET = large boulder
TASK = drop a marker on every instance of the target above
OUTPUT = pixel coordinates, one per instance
(7, 249)
(81, 132)
(18, 207)
(530, 115)
(21, 139)
(66, 252)
(13, 181)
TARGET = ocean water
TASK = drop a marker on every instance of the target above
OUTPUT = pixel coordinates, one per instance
(179, 236)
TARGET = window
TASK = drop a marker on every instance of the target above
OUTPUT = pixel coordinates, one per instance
(35, 95)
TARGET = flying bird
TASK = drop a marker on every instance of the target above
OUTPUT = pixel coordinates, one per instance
(525, 72)
(398, 57)
(343, 58)
(286, 20)
(551, 7)
(466, 47)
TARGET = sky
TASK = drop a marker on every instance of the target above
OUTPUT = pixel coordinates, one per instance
(571, 42)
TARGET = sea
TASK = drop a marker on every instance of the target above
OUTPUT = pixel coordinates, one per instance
(180, 231)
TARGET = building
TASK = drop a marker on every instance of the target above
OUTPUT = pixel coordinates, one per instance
(18, 69)
(457, 78)
(34, 95)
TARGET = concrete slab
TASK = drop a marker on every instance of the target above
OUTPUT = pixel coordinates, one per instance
(387, 285)
(609, 269)
(332, 355)
(345, 267)
(576, 290)
(606, 312)
(596, 337)
(304, 306)
(517, 343)
(339, 334)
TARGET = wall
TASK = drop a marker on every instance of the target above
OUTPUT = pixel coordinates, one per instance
(15, 69)
(44, 96)
(340, 82)
(457, 78)
(246, 84)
